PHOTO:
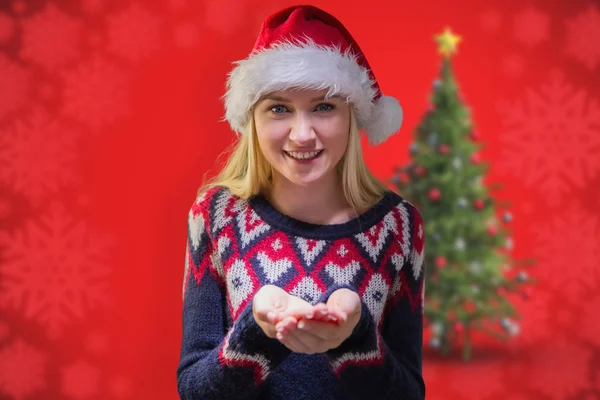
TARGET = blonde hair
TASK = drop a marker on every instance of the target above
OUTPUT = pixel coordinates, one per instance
(248, 173)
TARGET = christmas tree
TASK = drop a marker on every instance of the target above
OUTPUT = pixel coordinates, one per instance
(469, 269)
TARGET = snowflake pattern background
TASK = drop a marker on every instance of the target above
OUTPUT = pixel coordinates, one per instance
(109, 115)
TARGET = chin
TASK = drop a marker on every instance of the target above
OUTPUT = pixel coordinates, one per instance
(305, 180)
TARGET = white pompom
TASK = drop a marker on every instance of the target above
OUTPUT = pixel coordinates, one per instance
(386, 119)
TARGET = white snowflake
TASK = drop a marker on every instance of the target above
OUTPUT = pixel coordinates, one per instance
(186, 35)
(121, 387)
(7, 28)
(566, 245)
(5, 206)
(224, 20)
(552, 139)
(54, 269)
(134, 33)
(573, 359)
(96, 93)
(22, 370)
(536, 323)
(37, 156)
(51, 38)
(80, 380)
(485, 380)
(583, 31)
(92, 6)
(491, 20)
(513, 65)
(532, 26)
(4, 331)
(14, 86)
(588, 327)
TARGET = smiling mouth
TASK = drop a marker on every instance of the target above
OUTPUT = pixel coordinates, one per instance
(303, 155)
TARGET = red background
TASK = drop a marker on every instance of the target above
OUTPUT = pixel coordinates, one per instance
(109, 118)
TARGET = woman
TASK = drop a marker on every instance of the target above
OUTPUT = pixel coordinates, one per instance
(304, 274)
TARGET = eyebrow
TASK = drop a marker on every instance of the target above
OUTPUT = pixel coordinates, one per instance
(279, 98)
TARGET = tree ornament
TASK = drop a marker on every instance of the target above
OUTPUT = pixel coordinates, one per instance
(522, 276)
(435, 343)
(459, 327)
(437, 83)
(513, 328)
(457, 163)
(462, 202)
(505, 323)
(507, 217)
(432, 139)
(492, 230)
(444, 149)
(474, 135)
(527, 293)
(479, 204)
(437, 328)
(440, 261)
(435, 194)
(509, 244)
(419, 170)
(447, 42)
(469, 306)
(460, 244)
(436, 237)
(475, 289)
(475, 158)
(475, 267)
(414, 147)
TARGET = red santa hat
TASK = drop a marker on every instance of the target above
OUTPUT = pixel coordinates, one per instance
(305, 47)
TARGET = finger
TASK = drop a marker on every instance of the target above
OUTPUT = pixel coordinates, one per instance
(284, 339)
(321, 330)
(314, 312)
(305, 343)
(285, 324)
(291, 342)
(340, 315)
(315, 344)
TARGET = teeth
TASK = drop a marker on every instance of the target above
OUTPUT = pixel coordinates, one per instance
(303, 156)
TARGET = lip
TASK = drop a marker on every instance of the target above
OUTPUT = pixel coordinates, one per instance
(304, 151)
(301, 150)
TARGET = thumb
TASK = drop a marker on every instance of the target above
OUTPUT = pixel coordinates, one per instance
(345, 301)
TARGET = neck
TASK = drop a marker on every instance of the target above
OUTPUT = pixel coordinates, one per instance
(321, 202)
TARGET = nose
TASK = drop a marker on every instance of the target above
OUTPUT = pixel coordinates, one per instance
(302, 131)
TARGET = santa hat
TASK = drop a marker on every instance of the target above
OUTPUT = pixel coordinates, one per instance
(305, 47)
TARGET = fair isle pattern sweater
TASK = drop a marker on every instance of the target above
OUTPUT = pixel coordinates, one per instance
(235, 246)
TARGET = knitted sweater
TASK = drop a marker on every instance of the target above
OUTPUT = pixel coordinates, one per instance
(235, 246)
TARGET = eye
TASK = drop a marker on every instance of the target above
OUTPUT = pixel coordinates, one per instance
(278, 109)
(324, 107)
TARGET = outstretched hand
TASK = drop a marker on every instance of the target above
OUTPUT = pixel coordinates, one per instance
(310, 335)
(272, 305)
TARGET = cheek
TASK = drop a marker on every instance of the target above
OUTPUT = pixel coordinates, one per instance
(336, 140)
(270, 140)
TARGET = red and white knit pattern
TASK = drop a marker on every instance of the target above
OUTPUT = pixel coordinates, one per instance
(247, 253)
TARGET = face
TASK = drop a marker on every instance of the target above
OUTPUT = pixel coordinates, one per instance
(301, 134)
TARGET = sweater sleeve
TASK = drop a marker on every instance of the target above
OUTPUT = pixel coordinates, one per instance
(217, 361)
(384, 360)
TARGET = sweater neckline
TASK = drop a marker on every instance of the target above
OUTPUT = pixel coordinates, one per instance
(265, 210)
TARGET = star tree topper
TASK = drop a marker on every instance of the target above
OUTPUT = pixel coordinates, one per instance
(447, 42)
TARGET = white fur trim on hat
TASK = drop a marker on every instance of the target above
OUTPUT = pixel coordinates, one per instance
(306, 65)
(386, 119)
